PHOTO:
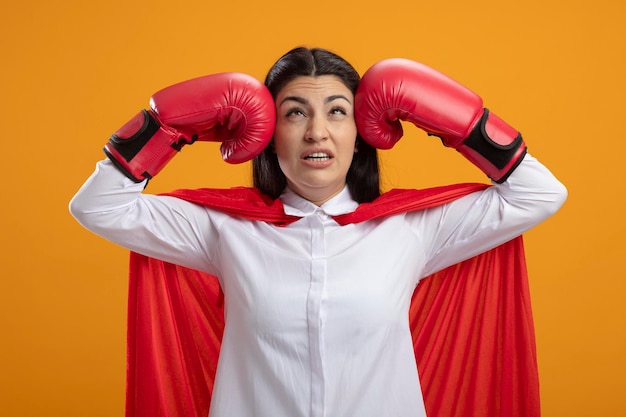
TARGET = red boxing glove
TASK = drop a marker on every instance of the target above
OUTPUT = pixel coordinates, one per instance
(398, 89)
(232, 108)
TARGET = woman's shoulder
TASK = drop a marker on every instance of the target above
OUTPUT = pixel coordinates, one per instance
(403, 200)
(245, 202)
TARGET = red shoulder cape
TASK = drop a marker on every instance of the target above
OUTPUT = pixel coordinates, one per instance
(471, 323)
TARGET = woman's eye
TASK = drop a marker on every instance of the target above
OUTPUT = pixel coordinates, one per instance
(294, 112)
(338, 110)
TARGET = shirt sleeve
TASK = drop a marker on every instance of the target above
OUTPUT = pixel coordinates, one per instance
(166, 228)
(483, 220)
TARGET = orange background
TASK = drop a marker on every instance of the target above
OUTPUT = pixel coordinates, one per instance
(74, 71)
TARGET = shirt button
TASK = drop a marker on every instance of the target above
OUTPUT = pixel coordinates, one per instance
(321, 214)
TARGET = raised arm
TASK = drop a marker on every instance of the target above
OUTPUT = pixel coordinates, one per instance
(231, 108)
(526, 192)
(480, 221)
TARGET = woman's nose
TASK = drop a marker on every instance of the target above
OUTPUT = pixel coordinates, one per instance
(317, 129)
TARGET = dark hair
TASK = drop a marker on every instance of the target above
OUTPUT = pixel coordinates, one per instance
(363, 178)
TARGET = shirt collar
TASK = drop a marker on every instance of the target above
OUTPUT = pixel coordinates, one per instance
(295, 205)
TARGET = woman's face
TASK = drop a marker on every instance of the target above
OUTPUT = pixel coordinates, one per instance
(315, 135)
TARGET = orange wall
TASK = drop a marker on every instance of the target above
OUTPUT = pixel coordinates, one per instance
(73, 71)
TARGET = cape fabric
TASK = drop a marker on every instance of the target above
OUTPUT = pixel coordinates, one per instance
(471, 323)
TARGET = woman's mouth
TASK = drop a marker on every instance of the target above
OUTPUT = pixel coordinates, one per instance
(317, 156)
(317, 159)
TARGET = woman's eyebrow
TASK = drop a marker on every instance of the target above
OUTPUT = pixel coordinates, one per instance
(297, 99)
(304, 101)
(337, 97)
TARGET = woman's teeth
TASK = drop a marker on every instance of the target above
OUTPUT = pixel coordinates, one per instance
(318, 157)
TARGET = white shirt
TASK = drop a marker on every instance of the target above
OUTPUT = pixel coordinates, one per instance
(316, 313)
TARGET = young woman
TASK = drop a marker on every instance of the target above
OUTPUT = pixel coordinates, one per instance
(316, 309)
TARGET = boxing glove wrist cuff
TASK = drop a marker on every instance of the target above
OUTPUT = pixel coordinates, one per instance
(494, 146)
(134, 135)
(142, 147)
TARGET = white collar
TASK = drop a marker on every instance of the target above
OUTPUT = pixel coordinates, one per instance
(295, 205)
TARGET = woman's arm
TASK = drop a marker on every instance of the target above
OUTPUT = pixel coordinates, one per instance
(114, 207)
(231, 108)
(525, 193)
(480, 221)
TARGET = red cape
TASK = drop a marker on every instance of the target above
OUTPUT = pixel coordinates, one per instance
(471, 323)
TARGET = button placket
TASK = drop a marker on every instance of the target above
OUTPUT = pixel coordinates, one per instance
(315, 312)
